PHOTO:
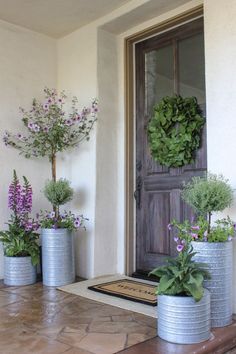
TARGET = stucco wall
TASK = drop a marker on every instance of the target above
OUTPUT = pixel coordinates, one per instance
(77, 75)
(220, 52)
(27, 64)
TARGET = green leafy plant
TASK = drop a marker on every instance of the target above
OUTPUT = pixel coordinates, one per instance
(20, 240)
(174, 131)
(181, 276)
(58, 193)
(208, 194)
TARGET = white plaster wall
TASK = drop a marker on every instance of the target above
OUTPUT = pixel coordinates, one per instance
(77, 75)
(91, 63)
(27, 65)
(220, 54)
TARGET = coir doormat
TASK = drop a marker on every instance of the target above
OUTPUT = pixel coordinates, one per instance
(128, 289)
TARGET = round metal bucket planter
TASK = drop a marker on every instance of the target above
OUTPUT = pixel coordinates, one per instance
(19, 271)
(182, 320)
(219, 259)
(58, 262)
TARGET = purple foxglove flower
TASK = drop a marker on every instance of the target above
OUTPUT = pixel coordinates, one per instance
(169, 226)
(180, 248)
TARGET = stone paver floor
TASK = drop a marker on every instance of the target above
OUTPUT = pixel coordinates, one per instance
(43, 320)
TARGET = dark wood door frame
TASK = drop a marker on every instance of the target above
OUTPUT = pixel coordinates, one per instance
(129, 115)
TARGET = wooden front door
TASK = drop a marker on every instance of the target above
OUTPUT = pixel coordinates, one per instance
(170, 63)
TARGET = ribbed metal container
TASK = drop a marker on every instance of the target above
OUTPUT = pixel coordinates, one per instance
(19, 271)
(58, 263)
(182, 320)
(219, 259)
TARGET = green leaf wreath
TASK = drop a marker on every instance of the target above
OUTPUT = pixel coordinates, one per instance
(174, 131)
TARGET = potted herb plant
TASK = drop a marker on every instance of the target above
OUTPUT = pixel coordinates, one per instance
(52, 130)
(183, 303)
(20, 241)
(57, 239)
(212, 241)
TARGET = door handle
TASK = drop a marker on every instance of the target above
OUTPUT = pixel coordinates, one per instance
(137, 193)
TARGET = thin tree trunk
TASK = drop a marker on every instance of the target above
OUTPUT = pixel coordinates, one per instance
(54, 177)
(53, 162)
(209, 222)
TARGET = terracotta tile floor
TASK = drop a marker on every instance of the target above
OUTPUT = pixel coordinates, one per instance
(43, 320)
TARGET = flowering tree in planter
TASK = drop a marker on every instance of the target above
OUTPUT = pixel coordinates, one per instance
(51, 130)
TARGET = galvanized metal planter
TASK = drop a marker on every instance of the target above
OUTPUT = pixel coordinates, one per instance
(58, 262)
(19, 271)
(182, 320)
(219, 259)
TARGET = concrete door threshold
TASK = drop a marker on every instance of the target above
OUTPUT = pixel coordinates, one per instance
(222, 341)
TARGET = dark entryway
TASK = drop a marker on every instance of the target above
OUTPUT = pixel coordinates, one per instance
(167, 64)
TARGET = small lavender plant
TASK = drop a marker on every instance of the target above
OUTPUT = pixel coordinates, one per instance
(20, 240)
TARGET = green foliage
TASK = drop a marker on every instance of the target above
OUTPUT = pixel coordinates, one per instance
(182, 276)
(207, 194)
(174, 131)
(58, 192)
(222, 231)
(20, 243)
(66, 220)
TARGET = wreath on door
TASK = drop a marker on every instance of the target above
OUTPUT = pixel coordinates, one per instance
(174, 131)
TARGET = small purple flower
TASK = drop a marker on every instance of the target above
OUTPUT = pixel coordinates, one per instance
(31, 125)
(78, 117)
(234, 226)
(180, 248)
(176, 239)
(45, 106)
(230, 238)
(195, 227)
(68, 122)
(51, 215)
(36, 128)
(205, 233)
(183, 242)
(77, 223)
(169, 226)
(193, 235)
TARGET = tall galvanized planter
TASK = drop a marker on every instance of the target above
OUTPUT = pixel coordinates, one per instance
(182, 320)
(19, 271)
(58, 264)
(219, 259)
